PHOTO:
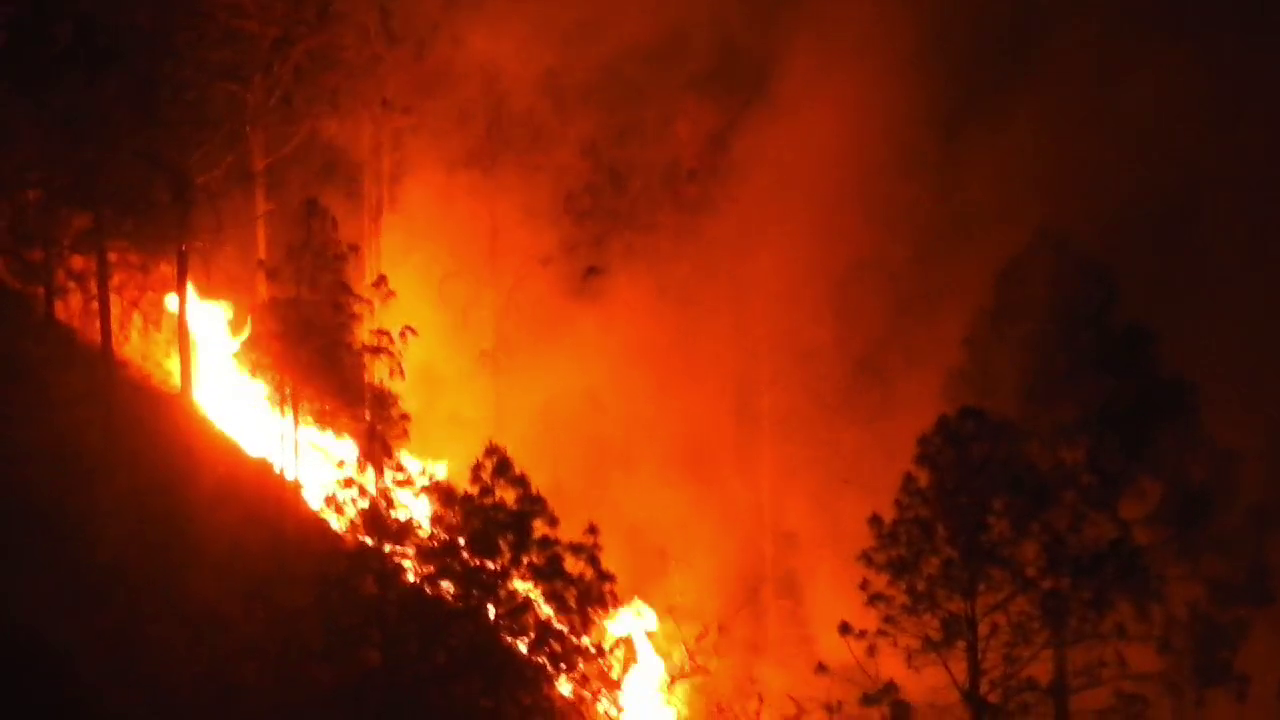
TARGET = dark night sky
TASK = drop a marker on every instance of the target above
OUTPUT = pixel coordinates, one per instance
(1148, 131)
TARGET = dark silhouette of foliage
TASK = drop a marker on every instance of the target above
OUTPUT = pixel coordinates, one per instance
(947, 566)
(315, 341)
(874, 691)
(500, 532)
(305, 339)
(1146, 519)
(386, 423)
(95, 138)
(33, 252)
(495, 549)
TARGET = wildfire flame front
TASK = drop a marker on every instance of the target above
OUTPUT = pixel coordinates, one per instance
(318, 460)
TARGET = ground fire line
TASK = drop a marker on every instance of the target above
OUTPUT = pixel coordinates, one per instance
(319, 460)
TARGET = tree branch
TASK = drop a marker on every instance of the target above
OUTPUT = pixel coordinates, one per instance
(215, 173)
(1015, 671)
(287, 148)
(942, 660)
(1000, 604)
(290, 62)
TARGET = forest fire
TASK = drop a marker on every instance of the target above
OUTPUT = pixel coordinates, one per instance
(319, 459)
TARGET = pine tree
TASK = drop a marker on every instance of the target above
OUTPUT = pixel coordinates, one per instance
(1145, 501)
(947, 581)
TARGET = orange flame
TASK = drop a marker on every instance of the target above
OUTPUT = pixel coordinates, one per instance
(319, 459)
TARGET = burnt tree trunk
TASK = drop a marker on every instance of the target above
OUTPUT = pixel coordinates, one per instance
(49, 276)
(1056, 614)
(1059, 688)
(103, 267)
(184, 332)
(973, 664)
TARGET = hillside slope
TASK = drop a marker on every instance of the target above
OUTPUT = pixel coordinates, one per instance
(154, 571)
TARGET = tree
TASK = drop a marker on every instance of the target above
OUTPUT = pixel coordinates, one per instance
(1125, 446)
(383, 43)
(947, 586)
(84, 85)
(49, 68)
(396, 647)
(32, 258)
(386, 422)
(263, 57)
(495, 549)
(875, 691)
(497, 544)
(306, 340)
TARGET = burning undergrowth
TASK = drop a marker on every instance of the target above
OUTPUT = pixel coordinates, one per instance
(493, 543)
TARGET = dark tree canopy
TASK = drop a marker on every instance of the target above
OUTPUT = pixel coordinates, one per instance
(948, 583)
(496, 549)
(306, 335)
(1124, 531)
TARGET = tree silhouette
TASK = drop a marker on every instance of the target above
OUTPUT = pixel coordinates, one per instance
(1146, 502)
(386, 424)
(305, 341)
(75, 136)
(495, 549)
(947, 583)
(497, 544)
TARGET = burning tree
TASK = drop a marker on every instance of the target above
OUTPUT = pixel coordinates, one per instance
(497, 545)
(495, 549)
(306, 336)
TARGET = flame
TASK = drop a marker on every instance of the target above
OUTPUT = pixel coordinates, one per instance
(644, 692)
(319, 460)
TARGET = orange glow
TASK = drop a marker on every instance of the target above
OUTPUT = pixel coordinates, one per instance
(319, 460)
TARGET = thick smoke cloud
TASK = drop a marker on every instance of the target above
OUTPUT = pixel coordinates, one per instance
(704, 266)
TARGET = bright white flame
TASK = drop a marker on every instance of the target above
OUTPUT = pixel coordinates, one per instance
(644, 694)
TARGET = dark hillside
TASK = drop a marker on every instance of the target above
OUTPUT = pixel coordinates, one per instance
(154, 571)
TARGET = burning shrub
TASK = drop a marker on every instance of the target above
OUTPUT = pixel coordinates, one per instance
(495, 549)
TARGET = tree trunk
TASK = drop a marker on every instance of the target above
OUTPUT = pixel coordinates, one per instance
(293, 411)
(184, 332)
(103, 267)
(258, 167)
(376, 459)
(366, 208)
(973, 668)
(1060, 687)
(49, 276)
(376, 173)
(282, 405)
(381, 200)
(1060, 678)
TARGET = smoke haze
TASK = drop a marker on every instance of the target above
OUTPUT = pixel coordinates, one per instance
(704, 266)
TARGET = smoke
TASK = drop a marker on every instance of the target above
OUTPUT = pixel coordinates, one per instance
(704, 266)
